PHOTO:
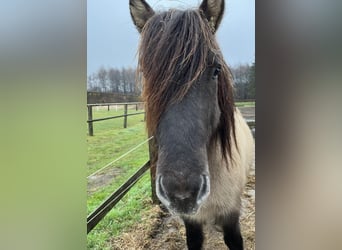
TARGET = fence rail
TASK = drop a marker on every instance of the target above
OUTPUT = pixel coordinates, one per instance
(90, 120)
(113, 117)
(113, 103)
(97, 215)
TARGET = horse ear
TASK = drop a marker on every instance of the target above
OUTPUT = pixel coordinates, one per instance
(213, 11)
(140, 12)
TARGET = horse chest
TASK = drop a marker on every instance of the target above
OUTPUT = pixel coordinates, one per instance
(224, 196)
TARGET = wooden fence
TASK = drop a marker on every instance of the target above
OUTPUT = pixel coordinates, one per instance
(125, 114)
(100, 212)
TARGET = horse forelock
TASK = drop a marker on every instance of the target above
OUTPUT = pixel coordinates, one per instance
(173, 53)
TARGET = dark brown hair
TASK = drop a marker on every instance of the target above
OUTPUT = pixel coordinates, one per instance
(173, 53)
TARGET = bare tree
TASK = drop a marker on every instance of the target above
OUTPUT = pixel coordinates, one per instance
(251, 82)
(131, 79)
(114, 79)
(241, 75)
(128, 80)
(102, 77)
(92, 83)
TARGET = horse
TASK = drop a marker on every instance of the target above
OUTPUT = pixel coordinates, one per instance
(204, 146)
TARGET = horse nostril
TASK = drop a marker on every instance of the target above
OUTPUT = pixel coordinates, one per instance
(161, 193)
(204, 190)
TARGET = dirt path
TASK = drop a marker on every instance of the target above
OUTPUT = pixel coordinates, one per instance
(248, 112)
(102, 179)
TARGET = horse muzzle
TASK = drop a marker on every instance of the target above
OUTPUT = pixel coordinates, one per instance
(181, 195)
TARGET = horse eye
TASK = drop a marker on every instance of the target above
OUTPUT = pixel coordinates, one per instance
(216, 72)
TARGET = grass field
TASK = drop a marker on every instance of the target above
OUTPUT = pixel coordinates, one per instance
(110, 141)
(245, 104)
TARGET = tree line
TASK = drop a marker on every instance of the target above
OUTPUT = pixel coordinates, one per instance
(244, 81)
(113, 80)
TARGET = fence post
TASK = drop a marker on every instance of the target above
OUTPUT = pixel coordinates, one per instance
(153, 160)
(136, 107)
(90, 123)
(108, 107)
(125, 117)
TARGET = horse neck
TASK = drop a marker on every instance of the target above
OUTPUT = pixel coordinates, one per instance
(216, 162)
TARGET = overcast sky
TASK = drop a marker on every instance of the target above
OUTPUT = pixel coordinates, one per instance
(112, 39)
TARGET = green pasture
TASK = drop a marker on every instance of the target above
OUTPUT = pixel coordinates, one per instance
(245, 104)
(109, 142)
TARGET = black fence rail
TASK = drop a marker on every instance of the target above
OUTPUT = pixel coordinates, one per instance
(99, 213)
(125, 114)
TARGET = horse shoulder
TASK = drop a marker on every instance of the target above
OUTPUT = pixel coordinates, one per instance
(244, 154)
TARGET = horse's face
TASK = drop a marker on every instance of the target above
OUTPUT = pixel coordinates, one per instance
(185, 129)
(183, 135)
